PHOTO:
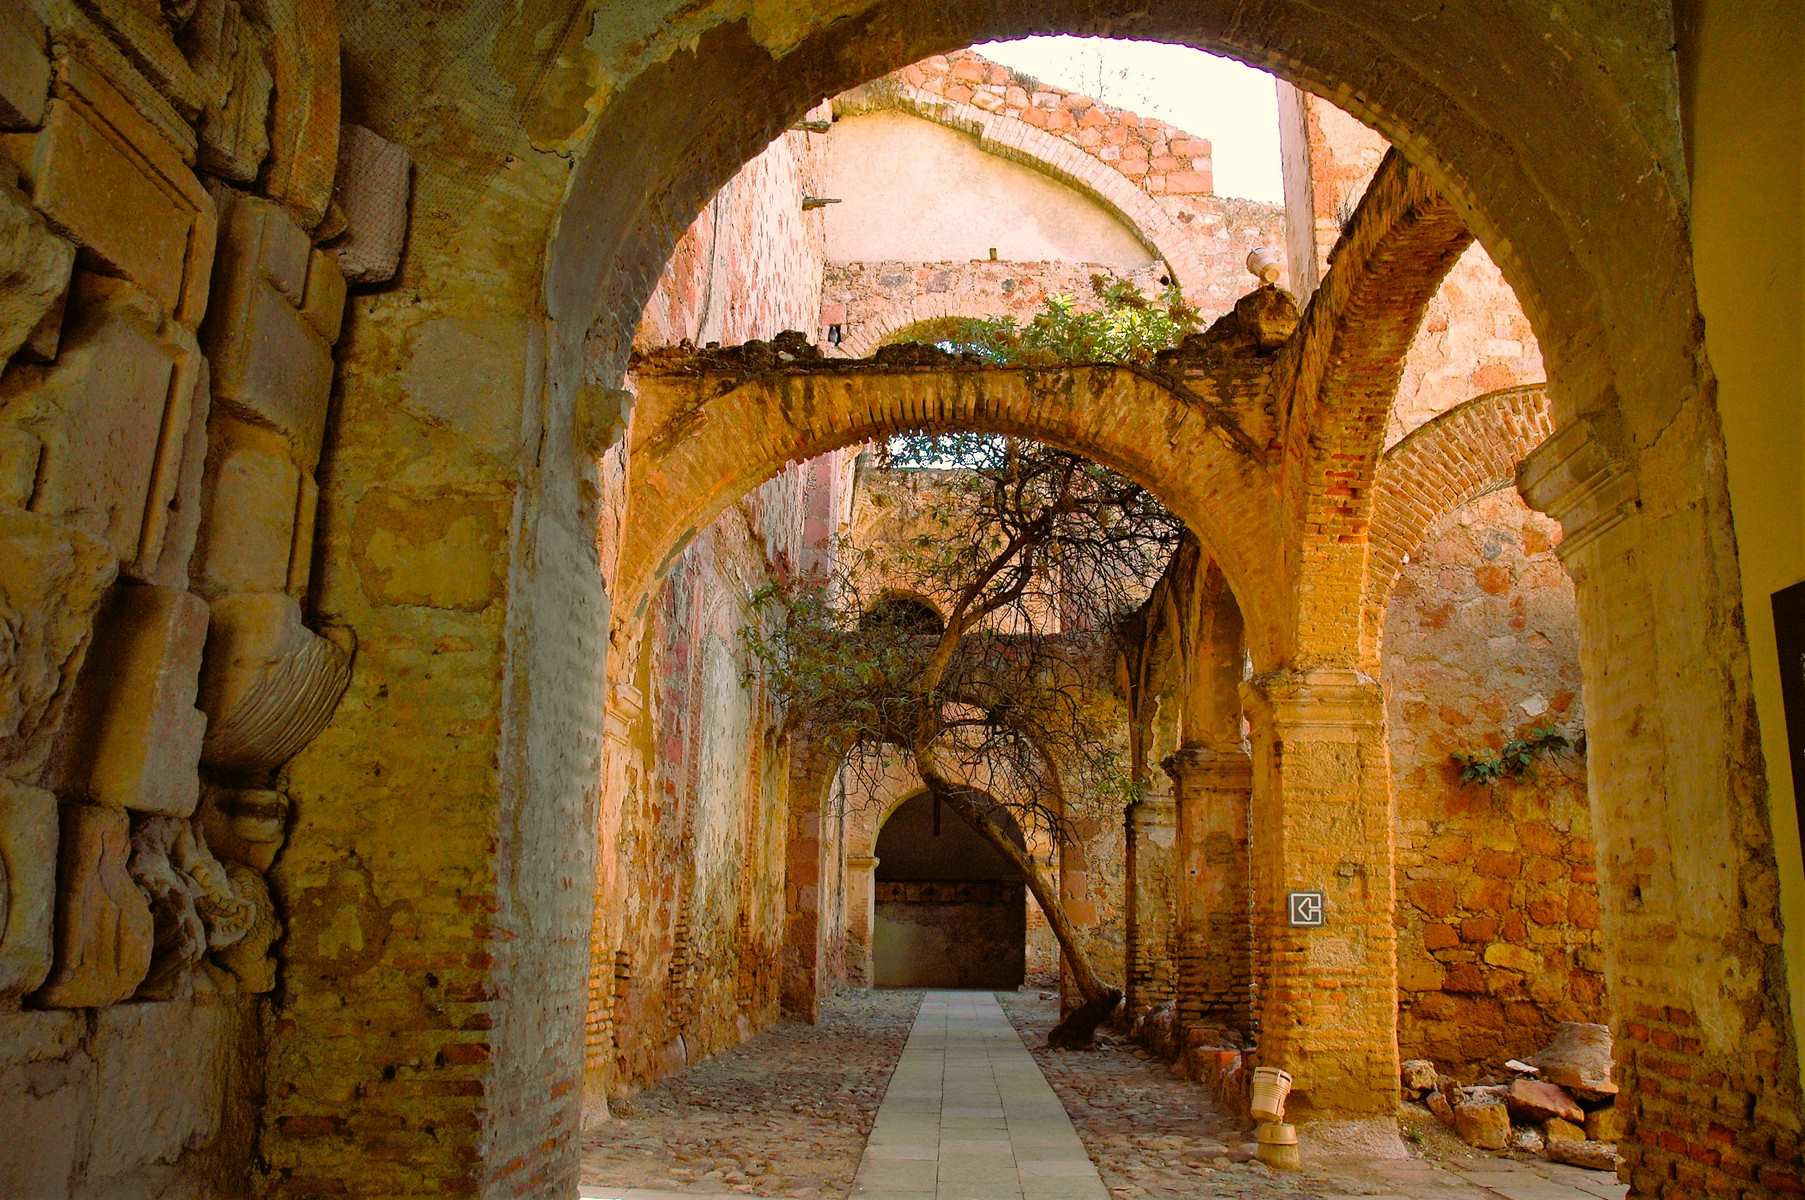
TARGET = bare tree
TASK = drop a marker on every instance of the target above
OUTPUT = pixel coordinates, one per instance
(1035, 556)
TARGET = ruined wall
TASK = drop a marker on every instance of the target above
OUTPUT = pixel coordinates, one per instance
(1497, 912)
(690, 898)
(1498, 915)
(1097, 150)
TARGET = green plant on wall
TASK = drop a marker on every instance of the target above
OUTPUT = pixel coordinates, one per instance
(1124, 326)
(1515, 760)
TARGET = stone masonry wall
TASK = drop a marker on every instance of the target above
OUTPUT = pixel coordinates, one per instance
(1498, 917)
(181, 216)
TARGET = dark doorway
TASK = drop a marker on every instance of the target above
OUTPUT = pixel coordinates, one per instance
(951, 911)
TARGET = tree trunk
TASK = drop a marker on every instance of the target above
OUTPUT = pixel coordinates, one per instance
(964, 801)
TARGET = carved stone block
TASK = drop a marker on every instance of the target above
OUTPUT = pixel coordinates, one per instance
(101, 173)
(133, 736)
(27, 888)
(24, 67)
(227, 54)
(248, 958)
(34, 270)
(162, 1069)
(180, 939)
(111, 445)
(270, 364)
(141, 28)
(269, 684)
(324, 302)
(372, 192)
(103, 923)
(304, 122)
(244, 825)
(52, 580)
(252, 492)
(182, 513)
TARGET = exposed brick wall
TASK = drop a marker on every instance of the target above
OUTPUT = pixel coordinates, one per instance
(1158, 157)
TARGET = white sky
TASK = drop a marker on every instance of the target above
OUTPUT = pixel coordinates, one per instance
(1234, 106)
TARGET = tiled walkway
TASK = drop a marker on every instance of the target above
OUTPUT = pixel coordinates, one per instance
(969, 1116)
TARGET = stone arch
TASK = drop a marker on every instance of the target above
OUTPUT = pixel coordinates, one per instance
(1338, 377)
(1599, 254)
(1017, 141)
(1471, 450)
(699, 442)
(896, 315)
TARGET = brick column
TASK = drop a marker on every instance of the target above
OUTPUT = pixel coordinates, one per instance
(1215, 933)
(861, 911)
(1322, 821)
(1152, 831)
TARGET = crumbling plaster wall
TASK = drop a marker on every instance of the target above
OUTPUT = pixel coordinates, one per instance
(689, 925)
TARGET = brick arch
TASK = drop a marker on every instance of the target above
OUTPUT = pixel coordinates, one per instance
(1017, 141)
(1467, 452)
(896, 315)
(1336, 383)
(699, 442)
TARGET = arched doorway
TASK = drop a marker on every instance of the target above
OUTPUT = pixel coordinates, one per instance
(951, 911)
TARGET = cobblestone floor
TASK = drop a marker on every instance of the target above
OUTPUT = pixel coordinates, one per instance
(1155, 1136)
(788, 1115)
(785, 1114)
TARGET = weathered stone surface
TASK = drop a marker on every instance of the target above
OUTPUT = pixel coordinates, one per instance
(133, 735)
(183, 511)
(372, 191)
(248, 958)
(1442, 1107)
(47, 1100)
(162, 1068)
(19, 454)
(28, 836)
(100, 172)
(270, 365)
(1605, 1124)
(1579, 1059)
(227, 54)
(52, 581)
(103, 923)
(1597, 1156)
(34, 269)
(269, 684)
(1485, 1124)
(1535, 1100)
(1417, 1076)
(244, 825)
(1556, 1129)
(24, 67)
(99, 413)
(324, 302)
(252, 491)
(304, 119)
(180, 939)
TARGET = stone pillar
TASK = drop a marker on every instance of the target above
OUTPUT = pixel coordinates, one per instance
(1152, 831)
(861, 913)
(1215, 932)
(1323, 822)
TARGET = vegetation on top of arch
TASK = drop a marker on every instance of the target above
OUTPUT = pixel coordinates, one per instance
(1123, 326)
